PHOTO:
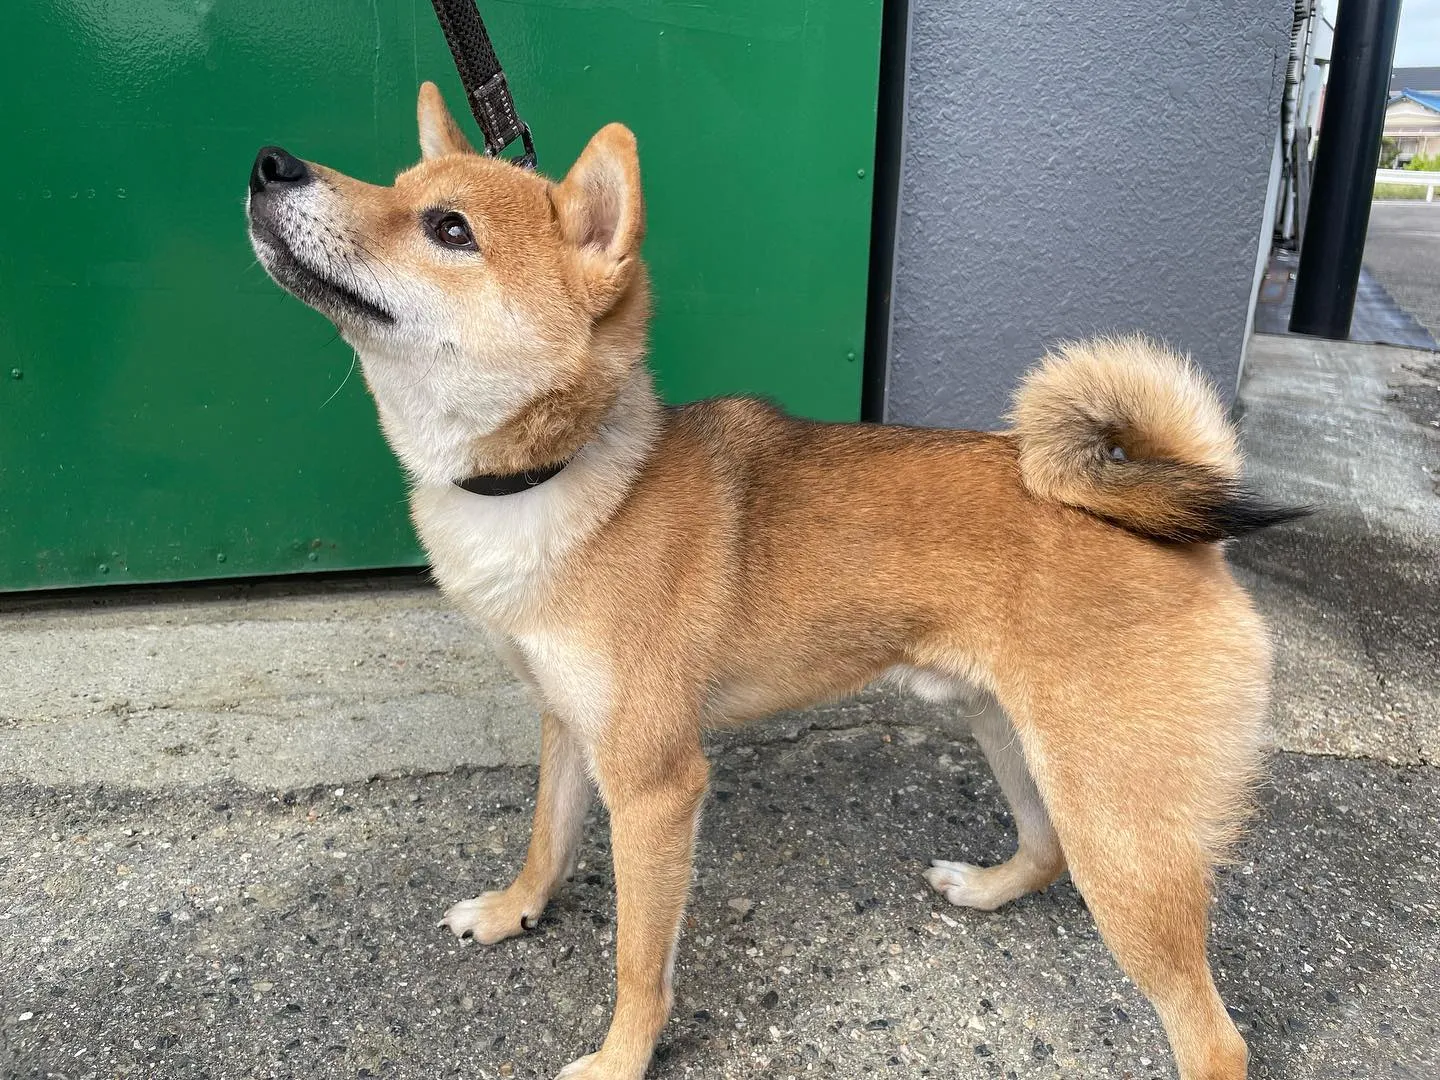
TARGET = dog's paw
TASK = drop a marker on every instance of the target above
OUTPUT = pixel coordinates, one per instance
(491, 917)
(965, 885)
(598, 1067)
(579, 1069)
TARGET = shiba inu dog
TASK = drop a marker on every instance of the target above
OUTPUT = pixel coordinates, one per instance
(651, 571)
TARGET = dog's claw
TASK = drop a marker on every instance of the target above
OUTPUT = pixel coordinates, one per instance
(983, 888)
(488, 918)
(960, 883)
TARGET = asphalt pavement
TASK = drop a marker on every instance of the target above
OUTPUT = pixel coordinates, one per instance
(1402, 250)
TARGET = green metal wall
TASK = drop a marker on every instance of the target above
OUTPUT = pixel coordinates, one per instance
(166, 413)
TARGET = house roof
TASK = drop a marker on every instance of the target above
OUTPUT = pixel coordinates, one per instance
(1430, 101)
(1414, 78)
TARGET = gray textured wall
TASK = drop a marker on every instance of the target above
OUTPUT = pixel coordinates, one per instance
(1076, 168)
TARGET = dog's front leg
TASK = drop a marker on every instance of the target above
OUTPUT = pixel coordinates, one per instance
(560, 807)
(654, 795)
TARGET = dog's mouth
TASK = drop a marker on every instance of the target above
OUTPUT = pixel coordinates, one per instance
(307, 284)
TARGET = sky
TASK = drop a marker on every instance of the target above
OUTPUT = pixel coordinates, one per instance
(1418, 44)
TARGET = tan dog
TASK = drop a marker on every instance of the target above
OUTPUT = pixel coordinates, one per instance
(710, 564)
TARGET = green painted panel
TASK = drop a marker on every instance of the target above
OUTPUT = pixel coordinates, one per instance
(166, 413)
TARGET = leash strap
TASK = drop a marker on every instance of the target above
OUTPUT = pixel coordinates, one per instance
(483, 79)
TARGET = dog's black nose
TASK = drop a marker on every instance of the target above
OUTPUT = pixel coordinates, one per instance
(275, 167)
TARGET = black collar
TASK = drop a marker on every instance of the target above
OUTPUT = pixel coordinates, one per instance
(509, 483)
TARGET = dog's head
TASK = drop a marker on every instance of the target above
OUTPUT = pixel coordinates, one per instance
(470, 288)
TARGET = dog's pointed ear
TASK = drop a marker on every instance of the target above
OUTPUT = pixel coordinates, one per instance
(439, 134)
(602, 215)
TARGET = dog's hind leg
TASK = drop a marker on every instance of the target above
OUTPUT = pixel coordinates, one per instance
(560, 807)
(1038, 860)
(1134, 829)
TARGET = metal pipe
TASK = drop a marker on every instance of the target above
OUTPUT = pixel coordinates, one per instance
(1344, 177)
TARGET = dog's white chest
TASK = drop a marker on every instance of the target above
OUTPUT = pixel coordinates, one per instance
(497, 555)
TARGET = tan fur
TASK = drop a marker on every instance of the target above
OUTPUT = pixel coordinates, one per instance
(713, 563)
(439, 134)
(1150, 406)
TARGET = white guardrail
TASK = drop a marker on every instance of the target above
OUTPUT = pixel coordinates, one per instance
(1428, 180)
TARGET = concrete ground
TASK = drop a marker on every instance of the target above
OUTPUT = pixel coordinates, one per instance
(230, 817)
(1402, 250)
(1353, 593)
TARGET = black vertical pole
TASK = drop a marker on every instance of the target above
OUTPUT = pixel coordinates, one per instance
(1344, 179)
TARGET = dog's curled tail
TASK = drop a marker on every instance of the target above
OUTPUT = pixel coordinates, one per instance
(1134, 433)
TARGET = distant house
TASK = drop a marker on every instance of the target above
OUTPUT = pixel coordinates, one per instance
(1424, 79)
(1412, 119)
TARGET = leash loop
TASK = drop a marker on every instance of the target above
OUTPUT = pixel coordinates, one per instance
(484, 80)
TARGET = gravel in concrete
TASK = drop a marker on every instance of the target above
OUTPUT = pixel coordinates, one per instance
(234, 932)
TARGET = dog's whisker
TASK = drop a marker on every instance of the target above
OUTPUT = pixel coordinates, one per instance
(354, 356)
(434, 359)
(370, 269)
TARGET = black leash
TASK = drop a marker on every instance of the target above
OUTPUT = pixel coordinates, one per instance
(484, 80)
(494, 110)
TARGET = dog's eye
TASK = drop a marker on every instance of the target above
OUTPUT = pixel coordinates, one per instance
(452, 231)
